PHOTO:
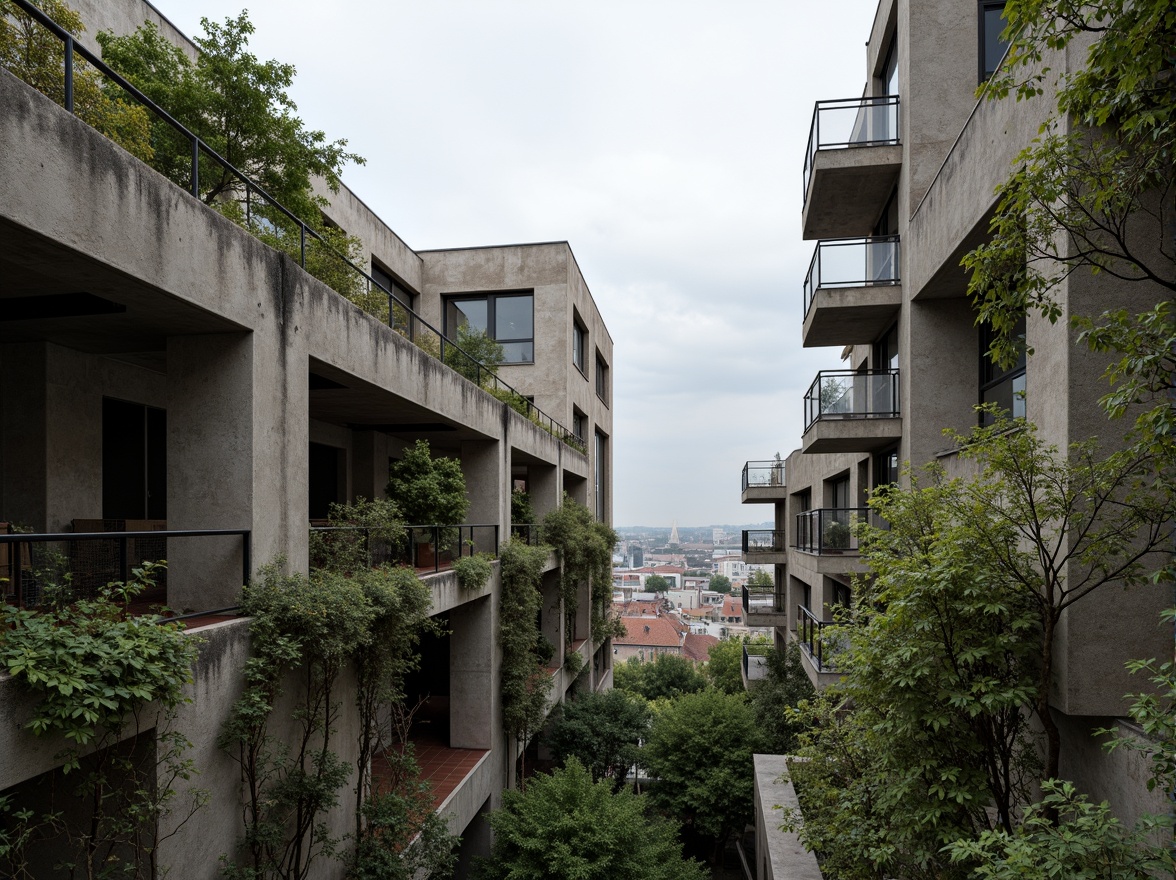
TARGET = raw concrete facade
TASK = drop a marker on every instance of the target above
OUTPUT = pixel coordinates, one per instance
(263, 374)
(902, 198)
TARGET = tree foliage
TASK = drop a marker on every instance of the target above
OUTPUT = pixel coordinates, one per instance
(565, 825)
(666, 676)
(700, 751)
(655, 583)
(601, 730)
(35, 55)
(476, 356)
(724, 666)
(719, 583)
(429, 490)
(585, 549)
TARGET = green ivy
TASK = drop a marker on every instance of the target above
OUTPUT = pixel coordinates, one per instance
(473, 572)
(585, 553)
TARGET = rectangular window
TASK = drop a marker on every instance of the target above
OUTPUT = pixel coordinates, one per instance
(578, 424)
(134, 460)
(579, 344)
(601, 378)
(600, 458)
(400, 318)
(507, 318)
(1004, 387)
(992, 47)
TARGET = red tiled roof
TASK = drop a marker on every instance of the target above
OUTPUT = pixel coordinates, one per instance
(697, 647)
(732, 606)
(647, 632)
(638, 608)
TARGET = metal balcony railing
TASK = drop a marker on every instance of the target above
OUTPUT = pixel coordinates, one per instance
(810, 633)
(764, 541)
(420, 547)
(527, 533)
(850, 122)
(831, 530)
(400, 317)
(85, 562)
(755, 662)
(852, 262)
(762, 600)
(845, 394)
(762, 474)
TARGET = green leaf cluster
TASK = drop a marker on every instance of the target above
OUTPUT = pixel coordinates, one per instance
(585, 549)
(476, 356)
(775, 697)
(35, 55)
(473, 572)
(724, 666)
(525, 683)
(601, 730)
(666, 676)
(356, 529)
(567, 825)
(429, 490)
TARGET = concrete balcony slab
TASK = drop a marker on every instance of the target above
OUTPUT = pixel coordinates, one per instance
(851, 315)
(852, 434)
(848, 189)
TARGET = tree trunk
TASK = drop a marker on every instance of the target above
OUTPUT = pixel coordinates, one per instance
(1052, 735)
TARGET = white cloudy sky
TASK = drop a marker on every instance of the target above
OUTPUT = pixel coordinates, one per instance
(664, 140)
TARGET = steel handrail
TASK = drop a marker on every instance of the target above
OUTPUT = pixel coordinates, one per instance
(810, 289)
(775, 475)
(814, 141)
(198, 146)
(816, 409)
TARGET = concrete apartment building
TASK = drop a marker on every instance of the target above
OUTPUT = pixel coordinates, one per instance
(170, 371)
(899, 185)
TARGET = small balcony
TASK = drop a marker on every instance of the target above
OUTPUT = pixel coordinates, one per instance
(852, 292)
(847, 411)
(765, 546)
(818, 647)
(755, 663)
(852, 162)
(763, 482)
(764, 606)
(830, 531)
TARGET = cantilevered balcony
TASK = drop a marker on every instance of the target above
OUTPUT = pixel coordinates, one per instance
(852, 291)
(764, 605)
(763, 482)
(831, 531)
(852, 162)
(765, 546)
(818, 647)
(846, 411)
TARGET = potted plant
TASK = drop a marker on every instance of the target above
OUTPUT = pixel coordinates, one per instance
(430, 491)
(836, 536)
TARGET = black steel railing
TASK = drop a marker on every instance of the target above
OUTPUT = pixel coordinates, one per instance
(400, 317)
(845, 394)
(852, 262)
(831, 530)
(528, 533)
(420, 547)
(850, 122)
(810, 633)
(83, 563)
(766, 599)
(762, 474)
(764, 541)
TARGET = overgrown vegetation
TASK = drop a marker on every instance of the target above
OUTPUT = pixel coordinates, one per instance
(601, 730)
(359, 534)
(666, 676)
(525, 681)
(96, 676)
(473, 572)
(428, 490)
(585, 549)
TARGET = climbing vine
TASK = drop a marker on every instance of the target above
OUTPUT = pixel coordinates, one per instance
(94, 673)
(525, 683)
(585, 552)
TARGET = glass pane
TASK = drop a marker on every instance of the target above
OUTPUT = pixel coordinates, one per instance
(512, 317)
(994, 46)
(466, 312)
(518, 352)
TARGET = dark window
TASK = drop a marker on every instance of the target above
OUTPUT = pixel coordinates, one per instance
(839, 493)
(992, 47)
(325, 474)
(598, 472)
(890, 68)
(402, 299)
(579, 344)
(886, 468)
(134, 461)
(507, 318)
(601, 379)
(578, 424)
(1004, 387)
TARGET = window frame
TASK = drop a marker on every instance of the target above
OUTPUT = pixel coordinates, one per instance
(991, 376)
(602, 378)
(982, 7)
(579, 346)
(400, 293)
(491, 298)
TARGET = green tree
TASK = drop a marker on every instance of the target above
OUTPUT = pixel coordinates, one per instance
(601, 730)
(1094, 192)
(700, 751)
(655, 583)
(477, 356)
(724, 666)
(665, 677)
(760, 578)
(775, 698)
(35, 55)
(719, 583)
(428, 490)
(567, 826)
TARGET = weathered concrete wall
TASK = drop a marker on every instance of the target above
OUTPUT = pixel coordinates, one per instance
(779, 855)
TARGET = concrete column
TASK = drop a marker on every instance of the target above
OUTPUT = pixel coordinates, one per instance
(237, 452)
(472, 689)
(544, 489)
(487, 473)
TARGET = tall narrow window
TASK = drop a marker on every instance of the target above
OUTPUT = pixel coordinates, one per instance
(134, 460)
(400, 318)
(601, 378)
(579, 344)
(600, 460)
(1004, 387)
(992, 47)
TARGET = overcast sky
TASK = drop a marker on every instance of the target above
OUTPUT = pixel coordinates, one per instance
(663, 140)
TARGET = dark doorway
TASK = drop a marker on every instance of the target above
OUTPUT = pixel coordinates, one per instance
(134, 460)
(325, 467)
